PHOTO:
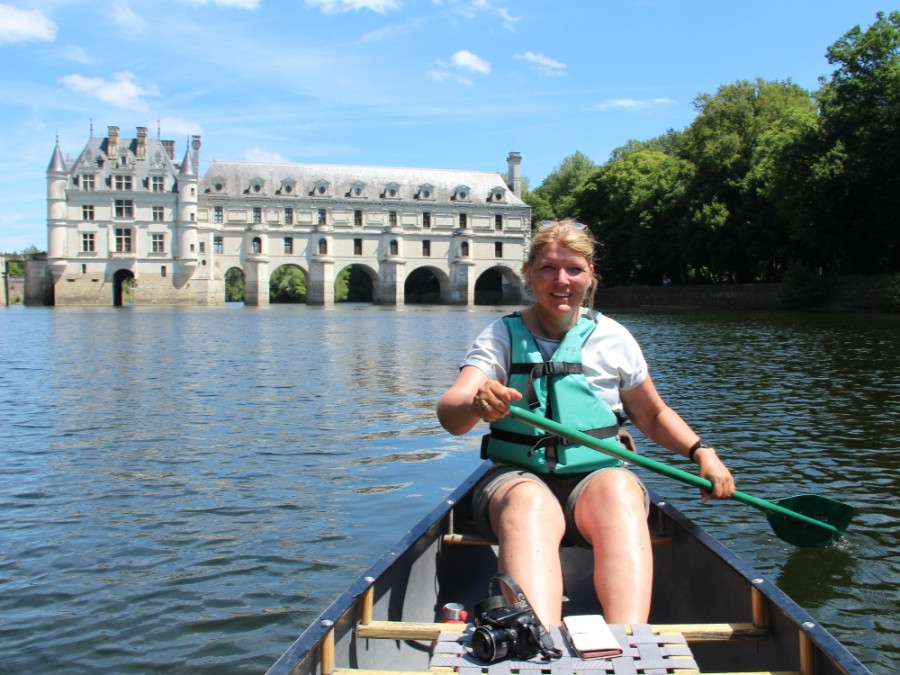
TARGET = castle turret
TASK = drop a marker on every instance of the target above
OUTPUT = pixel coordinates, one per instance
(57, 180)
(186, 249)
(514, 168)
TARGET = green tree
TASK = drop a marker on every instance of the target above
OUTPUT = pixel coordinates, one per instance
(287, 285)
(555, 193)
(234, 285)
(859, 162)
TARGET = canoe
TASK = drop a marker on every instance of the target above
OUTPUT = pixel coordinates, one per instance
(711, 612)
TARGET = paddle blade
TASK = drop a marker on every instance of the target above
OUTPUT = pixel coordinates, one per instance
(799, 533)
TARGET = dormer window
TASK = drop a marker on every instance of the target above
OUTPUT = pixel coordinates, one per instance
(257, 186)
(498, 194)
(392, 191)
(426, 191)
(357, 189)
(288, 186)
(218, 183)
(461, 193)
(321, 188)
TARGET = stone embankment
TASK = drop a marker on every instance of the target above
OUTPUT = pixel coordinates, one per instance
(852, 296)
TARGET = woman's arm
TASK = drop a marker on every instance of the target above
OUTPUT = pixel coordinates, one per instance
(649, 413)
(471, 398)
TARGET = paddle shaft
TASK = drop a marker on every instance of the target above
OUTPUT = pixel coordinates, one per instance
(627, 456)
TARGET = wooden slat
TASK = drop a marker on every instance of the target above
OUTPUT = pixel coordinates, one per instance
(693, 632)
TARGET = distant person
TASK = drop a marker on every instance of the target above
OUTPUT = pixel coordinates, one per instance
(535, 496)
(666, 280)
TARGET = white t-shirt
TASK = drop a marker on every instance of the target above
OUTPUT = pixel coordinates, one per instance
(611, 358)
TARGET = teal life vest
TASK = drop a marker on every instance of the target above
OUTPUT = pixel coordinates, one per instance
(558, 390)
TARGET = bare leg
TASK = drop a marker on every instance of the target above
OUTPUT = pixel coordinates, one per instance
(529, 525)
(610, 515)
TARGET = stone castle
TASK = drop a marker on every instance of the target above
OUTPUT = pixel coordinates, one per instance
(125, 211)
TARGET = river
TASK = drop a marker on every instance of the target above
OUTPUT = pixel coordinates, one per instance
(185, 489)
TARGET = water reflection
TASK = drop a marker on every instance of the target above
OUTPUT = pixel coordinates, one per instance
(184, 489)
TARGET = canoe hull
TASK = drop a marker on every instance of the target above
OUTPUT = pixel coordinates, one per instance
(697, 582)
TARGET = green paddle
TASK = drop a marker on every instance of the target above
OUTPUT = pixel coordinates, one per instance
(801, 520)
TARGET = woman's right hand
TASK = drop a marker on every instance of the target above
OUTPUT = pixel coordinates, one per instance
(491, 400)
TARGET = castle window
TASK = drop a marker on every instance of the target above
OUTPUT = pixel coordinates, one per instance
(162, 271)
(87, 182)
(257, 245)
(289, 245)
(463, 221)
(87, 242)
(357, 247)
(257, 214)
(202, 247)
(395, 247)
(218, 244)
(87, 212)
(158, 243)
(323, 216)
(123, 183)
(158, 183)
(158, 214)
(426, 220)
(288, 214)
(357, 218)
(392, 218)
(498, 222)
(123, 240)
(426, 249)
(498, 249)
(464, 249)
(124, 208)
(323, 247)
(218, 214)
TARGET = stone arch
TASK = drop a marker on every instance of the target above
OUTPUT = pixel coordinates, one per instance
(122, 280)
(428, 285)
(364, 284)
(499, 285)
(233, 284)
(287, 286)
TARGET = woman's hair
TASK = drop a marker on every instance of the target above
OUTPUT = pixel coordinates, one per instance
(574, 236)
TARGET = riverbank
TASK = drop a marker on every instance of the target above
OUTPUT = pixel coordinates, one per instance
(868, 296)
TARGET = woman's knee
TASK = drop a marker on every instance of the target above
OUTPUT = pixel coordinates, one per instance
(526, 504)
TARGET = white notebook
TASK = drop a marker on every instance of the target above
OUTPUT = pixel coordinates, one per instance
(591, 637)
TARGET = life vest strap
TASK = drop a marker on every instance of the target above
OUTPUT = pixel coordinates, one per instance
(542, 369)
(542, 440)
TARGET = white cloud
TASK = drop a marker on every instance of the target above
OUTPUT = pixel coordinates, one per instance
(122, 91)
(633, 103)
(543, 64)
(473, 9)
(469, 61)
(127, 19)
(257, 154)
(78, 55)
(21, 25)
(235, 4)
(174, 126)
(339, 6)
(441, 75)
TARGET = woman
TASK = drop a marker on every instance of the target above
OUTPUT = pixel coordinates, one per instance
(539, 493)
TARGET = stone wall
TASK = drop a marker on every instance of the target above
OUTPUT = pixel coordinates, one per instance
(868, 295)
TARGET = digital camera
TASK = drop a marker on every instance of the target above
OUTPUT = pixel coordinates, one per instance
(509, 631)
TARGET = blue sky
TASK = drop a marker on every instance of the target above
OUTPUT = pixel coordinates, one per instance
(413, 83)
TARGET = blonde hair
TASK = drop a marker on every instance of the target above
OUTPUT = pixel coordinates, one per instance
(575, 237)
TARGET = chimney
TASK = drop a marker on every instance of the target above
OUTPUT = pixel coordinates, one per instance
(514, 173)
(112, 144)
(170, 148)
(140, 151)
(195, 144)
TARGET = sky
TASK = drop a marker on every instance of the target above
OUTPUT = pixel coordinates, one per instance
(445, 84)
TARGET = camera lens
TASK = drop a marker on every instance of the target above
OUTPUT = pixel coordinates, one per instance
(491, 644)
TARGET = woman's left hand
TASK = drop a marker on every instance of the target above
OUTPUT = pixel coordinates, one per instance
(712, 469)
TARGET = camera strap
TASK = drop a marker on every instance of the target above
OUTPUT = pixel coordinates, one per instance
(544, 639)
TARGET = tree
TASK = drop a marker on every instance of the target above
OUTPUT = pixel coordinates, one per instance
(555, 193)
(859, 162)
(287, 284)
(234, 285)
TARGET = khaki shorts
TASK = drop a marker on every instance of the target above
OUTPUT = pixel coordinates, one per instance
(565, 487)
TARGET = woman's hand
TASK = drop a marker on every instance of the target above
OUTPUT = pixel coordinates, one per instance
(491, 401)
(712, 469)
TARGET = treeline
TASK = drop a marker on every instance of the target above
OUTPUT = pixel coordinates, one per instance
(769, 180)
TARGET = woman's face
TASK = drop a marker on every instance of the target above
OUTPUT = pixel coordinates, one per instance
(560, 278)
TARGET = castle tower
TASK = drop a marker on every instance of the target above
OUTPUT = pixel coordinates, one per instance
(514, 173)
(186, 247)
(57, 227)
